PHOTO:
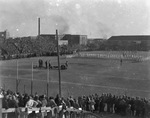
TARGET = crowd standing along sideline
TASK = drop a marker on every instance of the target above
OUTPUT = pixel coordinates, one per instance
(106, 102)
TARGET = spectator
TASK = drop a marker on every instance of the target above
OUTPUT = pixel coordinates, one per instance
(124, 105)
(20, 101)
(31, 103)
(76, 104)
(68, 103)
(71, 101)
(36, 98)
(43, 101)
(51, 102)
(92, 103)
(5, 102)
(96, 106)
(12, 102)
(58, 100)
(25, 99)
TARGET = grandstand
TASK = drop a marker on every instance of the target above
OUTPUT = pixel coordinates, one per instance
(130, 43)
(133, 56)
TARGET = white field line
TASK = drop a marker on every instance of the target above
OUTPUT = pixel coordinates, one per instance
(80, 84)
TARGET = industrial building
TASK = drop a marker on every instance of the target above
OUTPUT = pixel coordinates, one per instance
(130, 42)
(67, 39)
(75, 39)
(93, 40)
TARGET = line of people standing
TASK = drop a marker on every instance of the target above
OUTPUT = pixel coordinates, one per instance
(47, 64)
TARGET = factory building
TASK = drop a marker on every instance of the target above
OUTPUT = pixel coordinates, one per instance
(67, 39)
(75, 39)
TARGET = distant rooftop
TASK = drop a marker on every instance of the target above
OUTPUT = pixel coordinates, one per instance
(62, 34)
(130, 37)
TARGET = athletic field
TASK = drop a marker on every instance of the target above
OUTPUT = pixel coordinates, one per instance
(84, 76)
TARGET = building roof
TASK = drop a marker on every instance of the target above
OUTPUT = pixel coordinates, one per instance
(130, 37)
(62, 35)
(98, 39)
(47, 34)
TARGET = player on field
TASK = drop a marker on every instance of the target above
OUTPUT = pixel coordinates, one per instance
(121, 61)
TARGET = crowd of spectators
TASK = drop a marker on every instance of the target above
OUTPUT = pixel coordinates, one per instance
(25, 47)
(17, 48)
(123, 105)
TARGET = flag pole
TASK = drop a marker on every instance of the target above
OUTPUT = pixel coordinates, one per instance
(32, 80)
(58, 62)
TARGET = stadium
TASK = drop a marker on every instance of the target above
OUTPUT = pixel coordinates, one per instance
(96, 64)
(117, 79)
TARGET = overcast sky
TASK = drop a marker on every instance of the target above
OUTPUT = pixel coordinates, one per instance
(95, 18)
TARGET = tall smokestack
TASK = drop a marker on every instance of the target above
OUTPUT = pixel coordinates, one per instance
(38, 26)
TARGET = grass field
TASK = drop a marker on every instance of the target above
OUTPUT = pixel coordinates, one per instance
(83, 77)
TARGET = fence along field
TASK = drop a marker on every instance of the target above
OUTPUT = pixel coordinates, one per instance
(83, 76)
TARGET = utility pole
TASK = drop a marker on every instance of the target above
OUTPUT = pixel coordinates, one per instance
(32, 81)
(17, 81)
(58, 62)
(47, 81)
